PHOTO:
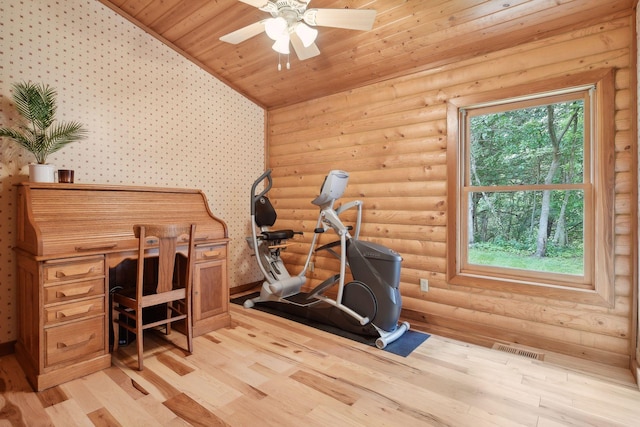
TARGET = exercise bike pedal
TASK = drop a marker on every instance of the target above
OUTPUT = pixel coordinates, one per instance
(324, 286)
(303, 299)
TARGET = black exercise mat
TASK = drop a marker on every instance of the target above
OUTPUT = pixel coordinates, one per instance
(403, 346)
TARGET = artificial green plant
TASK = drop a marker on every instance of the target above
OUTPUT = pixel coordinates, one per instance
(40, 134)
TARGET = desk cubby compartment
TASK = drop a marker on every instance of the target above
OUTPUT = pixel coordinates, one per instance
(123, 276)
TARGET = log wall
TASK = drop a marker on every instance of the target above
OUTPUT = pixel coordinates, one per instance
(391, 138)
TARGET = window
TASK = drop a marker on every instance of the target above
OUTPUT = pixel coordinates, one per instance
(530, 198)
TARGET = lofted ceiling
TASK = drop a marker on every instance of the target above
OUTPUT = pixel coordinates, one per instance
(407, 36)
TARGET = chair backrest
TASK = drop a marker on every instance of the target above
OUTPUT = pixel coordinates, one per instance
(167, 238)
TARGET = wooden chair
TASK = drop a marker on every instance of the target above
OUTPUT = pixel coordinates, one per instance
(168, 285)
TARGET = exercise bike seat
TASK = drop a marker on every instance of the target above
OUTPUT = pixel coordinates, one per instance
(277, 235)
(265, 216)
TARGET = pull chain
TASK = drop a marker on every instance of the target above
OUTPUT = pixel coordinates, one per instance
(288, 64)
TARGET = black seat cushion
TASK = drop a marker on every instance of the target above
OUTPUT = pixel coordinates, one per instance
(277, 235)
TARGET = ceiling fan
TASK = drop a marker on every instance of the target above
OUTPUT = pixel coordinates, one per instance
(291, 24)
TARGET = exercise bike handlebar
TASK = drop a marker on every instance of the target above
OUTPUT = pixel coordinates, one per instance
(347, 206)
(266, 175)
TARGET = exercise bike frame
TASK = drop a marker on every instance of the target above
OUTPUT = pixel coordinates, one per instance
(328, 219)
(282, 287)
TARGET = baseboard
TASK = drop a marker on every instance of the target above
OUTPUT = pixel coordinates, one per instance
(7, 348)
(236, 290)
(635, 371)
(487, 335)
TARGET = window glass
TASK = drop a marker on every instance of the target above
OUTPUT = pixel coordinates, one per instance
(525, 179)
(520, 146)
(505, 224)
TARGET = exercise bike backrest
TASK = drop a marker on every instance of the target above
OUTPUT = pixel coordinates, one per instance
(257, 201)
(263, 213)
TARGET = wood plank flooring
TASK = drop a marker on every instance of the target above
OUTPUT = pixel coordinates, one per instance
(268, 371)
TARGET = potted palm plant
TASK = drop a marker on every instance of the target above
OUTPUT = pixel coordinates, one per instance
(40, 134)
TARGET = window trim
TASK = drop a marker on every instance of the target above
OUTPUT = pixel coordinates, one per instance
(600, 290)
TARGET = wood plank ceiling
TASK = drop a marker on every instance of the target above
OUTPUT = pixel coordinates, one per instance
(408, 36)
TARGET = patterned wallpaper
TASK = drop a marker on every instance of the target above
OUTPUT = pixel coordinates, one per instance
(637, 374)
(154, 118)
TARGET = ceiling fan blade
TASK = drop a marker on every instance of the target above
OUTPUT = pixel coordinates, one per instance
(255, 3)
(350, 19)
(244, 33)
(263, 5)
(303, 52)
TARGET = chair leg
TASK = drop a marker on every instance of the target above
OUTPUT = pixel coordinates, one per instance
(169, 312)
(139, 338)
(188, 325)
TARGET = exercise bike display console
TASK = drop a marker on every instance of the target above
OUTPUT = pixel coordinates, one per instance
(369, 305)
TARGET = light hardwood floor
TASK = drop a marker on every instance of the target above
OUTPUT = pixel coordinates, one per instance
(267, 371)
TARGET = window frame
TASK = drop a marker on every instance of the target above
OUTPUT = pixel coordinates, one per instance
(596, 286)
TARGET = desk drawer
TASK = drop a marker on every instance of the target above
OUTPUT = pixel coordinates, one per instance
(73, 310)
(210, 252)
(73, 341)
(74, 270)
(71, 291)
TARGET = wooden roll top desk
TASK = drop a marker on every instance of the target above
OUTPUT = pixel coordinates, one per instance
(71, 241)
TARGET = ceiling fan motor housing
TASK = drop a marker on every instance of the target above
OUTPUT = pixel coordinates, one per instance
(291, 10)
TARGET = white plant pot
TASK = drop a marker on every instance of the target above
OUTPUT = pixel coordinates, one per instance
(42, 173)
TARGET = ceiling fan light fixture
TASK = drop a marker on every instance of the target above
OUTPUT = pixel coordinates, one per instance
(291, 23)
(282, 44)
(275, 27)
(306, 33)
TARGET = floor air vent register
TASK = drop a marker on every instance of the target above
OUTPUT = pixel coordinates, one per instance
(519, 351)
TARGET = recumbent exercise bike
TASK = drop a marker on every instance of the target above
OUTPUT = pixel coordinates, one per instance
(369, 305)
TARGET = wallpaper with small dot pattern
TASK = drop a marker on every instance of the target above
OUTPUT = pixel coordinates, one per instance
(154, 118)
